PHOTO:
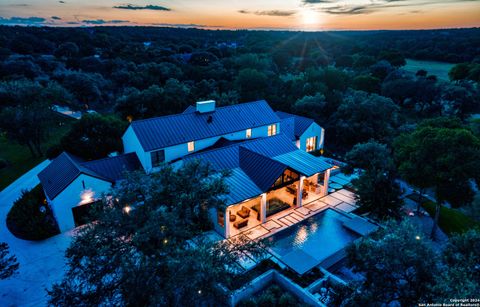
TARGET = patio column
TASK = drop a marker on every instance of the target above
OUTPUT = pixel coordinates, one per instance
(300, 191)
(226, 220)
(263, 208)
(326, 179)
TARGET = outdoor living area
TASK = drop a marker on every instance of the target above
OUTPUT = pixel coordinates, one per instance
(277, 202)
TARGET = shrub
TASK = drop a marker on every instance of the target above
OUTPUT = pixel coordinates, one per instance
(30, 218)
(54, 151)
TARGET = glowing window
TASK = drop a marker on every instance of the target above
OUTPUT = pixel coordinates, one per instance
(191, 146)
(312, 143)
(272, 130)
(249, 133)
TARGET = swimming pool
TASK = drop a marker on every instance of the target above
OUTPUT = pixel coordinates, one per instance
(312, 241)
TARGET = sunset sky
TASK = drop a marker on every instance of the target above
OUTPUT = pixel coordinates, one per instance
(251, 14)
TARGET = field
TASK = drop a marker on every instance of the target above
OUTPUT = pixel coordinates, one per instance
(19, 157)
(451, 220)
(439, 69)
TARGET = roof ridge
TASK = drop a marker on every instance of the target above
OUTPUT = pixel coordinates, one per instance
(185, 114)
(108, 158)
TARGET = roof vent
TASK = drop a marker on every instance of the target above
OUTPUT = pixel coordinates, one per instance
(210, 119)
(206, 106)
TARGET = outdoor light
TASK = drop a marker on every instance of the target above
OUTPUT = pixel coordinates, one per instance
(165, 241)
(199, 291)
(417, 237)
(127, 209)
(86, 196)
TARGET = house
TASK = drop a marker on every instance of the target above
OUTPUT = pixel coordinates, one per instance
(71, 184)
(266, 152)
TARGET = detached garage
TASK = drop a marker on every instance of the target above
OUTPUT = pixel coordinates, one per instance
(71, 183)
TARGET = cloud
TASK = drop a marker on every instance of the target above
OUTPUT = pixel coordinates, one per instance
(56, 18)
(22, 20)
(279, 13)
(146, 7)
(184, 25)
(62, 2)
(103, 21)
(338, 7)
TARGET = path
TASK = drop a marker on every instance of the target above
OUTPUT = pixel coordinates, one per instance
(41, 263)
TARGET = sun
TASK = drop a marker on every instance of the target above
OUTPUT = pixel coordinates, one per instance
(309, 17)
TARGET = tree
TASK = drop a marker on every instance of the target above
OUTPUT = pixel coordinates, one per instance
(251, 83)
(362, 116)
(445, 157)
(94, 136)
(311, 106)
(27, 117)
(367, 83)
(141, 257)
(461, 274)
(459, 72)
(8, 263)
(376, 189)
(398, 266)
(67, 49)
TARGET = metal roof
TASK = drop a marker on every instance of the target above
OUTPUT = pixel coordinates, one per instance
(303, 162)
(241, 187)
(262, 170)
(114, 168)
(300, 123)
(66, 167)
(257, 164)
(165, 131)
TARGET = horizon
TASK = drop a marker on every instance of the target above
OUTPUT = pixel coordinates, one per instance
(300, 15)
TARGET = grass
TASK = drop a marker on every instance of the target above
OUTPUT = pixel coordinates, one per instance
(439, 69)
(20, 159)
(451, 220)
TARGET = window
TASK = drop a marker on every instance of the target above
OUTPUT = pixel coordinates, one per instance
(272, 130)
(157, 157)
(249, 133)
(191, 146)
(312, 143)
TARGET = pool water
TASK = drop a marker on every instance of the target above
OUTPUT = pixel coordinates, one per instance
(310, 242)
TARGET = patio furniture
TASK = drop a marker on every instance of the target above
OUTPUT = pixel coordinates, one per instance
(240, 223)
(292, 189)
(233, 217)
(274, 205)
(244, 212)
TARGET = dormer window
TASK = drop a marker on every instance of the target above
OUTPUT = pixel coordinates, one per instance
(191, 146)
(248, 133)
(272, 130)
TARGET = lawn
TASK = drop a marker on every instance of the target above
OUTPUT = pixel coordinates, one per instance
(439, 69)
(451, 220)
(20, 159)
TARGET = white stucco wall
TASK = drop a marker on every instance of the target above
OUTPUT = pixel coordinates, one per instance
(181, 150)
(70, 197)
(132, 144)
(313, 130)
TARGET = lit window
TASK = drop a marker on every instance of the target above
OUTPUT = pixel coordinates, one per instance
(249, 133)
(157, 157)
(272, 130)
(191, 146)
(311, 143)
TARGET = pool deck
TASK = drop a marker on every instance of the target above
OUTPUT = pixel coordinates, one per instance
(342, 201)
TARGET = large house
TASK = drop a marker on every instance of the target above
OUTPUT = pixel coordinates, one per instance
(266, 152)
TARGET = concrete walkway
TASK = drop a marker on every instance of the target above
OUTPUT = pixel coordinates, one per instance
(41, 263)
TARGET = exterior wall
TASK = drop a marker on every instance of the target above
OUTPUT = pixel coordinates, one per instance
(131, 144)
(313, 130)
(70, 197)
(213, 217)
(181, 150)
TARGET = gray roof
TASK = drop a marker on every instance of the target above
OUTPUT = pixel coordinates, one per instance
(294, 125)
(66, 167)
(256, 164)
(165, 131)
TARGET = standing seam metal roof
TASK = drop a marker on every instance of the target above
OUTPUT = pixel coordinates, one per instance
(256, 164)
(301, 123)
(165, 131)
(66, 167)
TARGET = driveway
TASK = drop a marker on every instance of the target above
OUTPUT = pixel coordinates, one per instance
(41, 263)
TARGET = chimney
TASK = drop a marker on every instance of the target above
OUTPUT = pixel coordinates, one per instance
(206, 106)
